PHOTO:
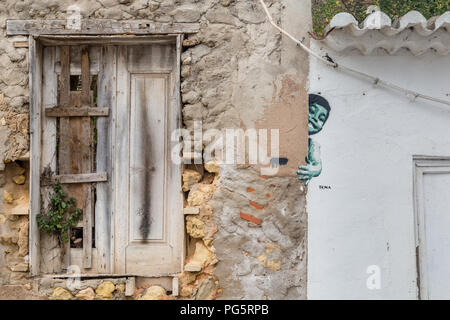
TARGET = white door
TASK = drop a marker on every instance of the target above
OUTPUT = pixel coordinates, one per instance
(148, 199)
(433, 221)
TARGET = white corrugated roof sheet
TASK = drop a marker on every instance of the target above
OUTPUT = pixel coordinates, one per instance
(377, 33)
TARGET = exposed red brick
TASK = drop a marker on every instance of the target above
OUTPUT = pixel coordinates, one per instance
(268, 195)
(250, 189)
(250, 218)
(263, 177)
(255, 205)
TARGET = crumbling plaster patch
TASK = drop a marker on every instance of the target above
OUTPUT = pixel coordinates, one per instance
(249, 247)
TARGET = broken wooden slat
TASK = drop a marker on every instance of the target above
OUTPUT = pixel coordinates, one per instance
(77, 112)
(85, 80)
(76, 178)
(64, 80)
(75, 60)
(86, 161)
(20, 44)
(97, 27)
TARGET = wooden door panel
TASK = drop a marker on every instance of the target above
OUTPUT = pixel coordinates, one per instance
(154, 261)
(151, 59)
(148, 219)
(147, 157)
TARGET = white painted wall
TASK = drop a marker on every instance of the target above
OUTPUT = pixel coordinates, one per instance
(367, 147)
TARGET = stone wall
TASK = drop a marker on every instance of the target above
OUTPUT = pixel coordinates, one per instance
(14, 224)
(246, 233)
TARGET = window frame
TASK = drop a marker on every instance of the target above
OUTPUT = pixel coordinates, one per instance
(36, 46)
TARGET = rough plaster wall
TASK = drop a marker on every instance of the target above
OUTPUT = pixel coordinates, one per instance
(231, 70)
(266, 260)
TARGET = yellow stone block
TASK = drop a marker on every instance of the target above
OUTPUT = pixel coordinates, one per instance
(61, 294)
(86, 294)
(105, 289)
(154, 293)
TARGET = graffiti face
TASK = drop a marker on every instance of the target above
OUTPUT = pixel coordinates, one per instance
(319, 111)
(318, 115)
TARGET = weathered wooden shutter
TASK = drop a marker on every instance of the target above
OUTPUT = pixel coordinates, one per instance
(69, 149)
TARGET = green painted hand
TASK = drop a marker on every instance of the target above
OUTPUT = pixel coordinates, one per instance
(306, 173)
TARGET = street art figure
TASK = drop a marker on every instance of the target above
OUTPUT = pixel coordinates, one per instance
(319, 111)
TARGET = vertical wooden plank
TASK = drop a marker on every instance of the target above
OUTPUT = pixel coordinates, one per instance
(64, 102)
(121, 162)
(174, 171)
(35, 69)
(64, 125)
(50, 249)
(85, 81)
(86, 164)
(103, 205)
(113, 127)
(64, 89)
(49, 100)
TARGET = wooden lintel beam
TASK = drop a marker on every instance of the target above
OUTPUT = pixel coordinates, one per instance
(97, 27)
(77, 112)
(76, 178)
(77, 40)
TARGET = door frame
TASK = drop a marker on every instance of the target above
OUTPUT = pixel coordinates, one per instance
(423, 165)
(36, 45)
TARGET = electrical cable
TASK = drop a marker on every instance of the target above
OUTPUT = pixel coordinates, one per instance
(328, 61)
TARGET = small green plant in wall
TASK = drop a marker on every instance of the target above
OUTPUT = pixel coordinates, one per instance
(60, 216)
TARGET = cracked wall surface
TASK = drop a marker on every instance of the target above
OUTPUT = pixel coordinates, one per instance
(249, 234)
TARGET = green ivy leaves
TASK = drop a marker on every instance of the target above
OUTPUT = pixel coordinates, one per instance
(61, 214)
